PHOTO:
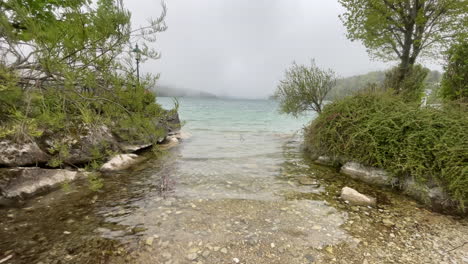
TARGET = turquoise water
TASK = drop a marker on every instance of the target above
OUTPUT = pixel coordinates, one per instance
(236, 148)
(235, 116)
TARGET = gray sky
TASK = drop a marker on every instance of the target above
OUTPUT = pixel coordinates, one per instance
(242, 47)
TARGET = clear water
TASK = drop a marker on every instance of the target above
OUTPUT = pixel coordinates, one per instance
(236, 148)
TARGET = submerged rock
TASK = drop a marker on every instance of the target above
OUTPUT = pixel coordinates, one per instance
(13, 154)
(366, 174)
(120, 162)
(308, 181)
(431, 195)
(356, 198)
(25, 182)
(324, 160)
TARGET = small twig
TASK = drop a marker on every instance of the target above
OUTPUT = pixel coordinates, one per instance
(455, 248)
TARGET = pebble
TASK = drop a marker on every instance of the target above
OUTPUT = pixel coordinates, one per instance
(149, 241)
(166, 255)
(236, 260)
(309, 257)
(224, 250)
(388, 223)
(192, 256)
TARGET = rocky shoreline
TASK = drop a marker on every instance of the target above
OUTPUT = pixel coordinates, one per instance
(24, 166)
(429, 194)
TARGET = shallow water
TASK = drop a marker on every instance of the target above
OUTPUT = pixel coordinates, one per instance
(230, 193)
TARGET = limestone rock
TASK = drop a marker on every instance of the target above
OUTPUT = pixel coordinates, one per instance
(82, 146)
(25, 182)
(13, 154)
(120, 162)
(366, 174)
(324, 160)
(428, 194)
(356, 198)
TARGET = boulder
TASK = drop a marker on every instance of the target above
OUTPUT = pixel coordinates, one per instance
(26, 182)
(83, 145)
(120, 162)
(13, 154)
(356, 198)
(366, 174)
(428, 194)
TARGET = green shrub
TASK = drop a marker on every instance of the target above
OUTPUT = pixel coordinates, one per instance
(383, 130)
(455, 79)
(413, 84)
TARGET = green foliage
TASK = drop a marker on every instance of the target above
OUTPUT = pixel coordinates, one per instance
(455, 79)
(10, 93)
(77, 69)
(61, 151)
(412, 86)
(404, 29)
(304, 88)
(351, 85)
(382, 130)
(95, 182)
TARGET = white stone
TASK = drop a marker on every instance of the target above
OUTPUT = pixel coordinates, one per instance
(120, 162)
(356, 198)
(183, 135)
(324, 160)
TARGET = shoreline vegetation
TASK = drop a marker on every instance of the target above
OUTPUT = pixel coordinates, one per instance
(70, 94)
(407, 121)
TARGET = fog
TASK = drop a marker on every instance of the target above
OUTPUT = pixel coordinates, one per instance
(242, 47)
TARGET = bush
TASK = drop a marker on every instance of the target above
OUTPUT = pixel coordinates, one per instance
(411, 87)
(455, 79)
(382, 130)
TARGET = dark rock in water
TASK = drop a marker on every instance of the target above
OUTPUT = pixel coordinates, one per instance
(13, 154)
(6, 202)
(308, 181)
(173, 121)
(25, 182)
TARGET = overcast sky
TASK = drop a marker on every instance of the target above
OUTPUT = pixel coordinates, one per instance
(242, 47)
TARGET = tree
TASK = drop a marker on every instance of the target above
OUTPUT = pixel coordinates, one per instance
(404, 29)
(70, 61)
(73, 42)
(304, 88)
(454, 84)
